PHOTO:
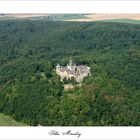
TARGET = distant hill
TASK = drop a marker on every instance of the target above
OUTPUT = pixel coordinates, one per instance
(122, 18)
(46, 17)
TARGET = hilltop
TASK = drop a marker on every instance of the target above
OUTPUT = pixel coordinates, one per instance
(32, 92)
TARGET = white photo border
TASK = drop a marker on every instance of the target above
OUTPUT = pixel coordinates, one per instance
(69, 7)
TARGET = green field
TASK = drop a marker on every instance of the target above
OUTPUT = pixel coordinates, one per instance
(8, 121)
(57, 17)
(130, 21)
(52, 17)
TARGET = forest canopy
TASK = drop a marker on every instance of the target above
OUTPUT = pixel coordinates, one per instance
(31, 91)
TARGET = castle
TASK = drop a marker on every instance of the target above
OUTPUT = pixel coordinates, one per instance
(72, 70)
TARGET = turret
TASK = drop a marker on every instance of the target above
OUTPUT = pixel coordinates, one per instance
(57, 66)
(71, 62)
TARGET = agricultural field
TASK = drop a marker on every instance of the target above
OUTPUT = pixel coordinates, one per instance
(130, 21)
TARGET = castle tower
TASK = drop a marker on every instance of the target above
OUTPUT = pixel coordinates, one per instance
(57, 67)
(71, 62)
(70, 65)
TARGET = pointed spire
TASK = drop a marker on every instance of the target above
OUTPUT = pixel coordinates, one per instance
(70, 62)
(58, 65)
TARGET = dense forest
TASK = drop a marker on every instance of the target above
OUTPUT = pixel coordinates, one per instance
(31, 91)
